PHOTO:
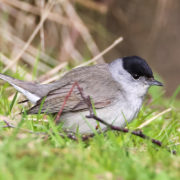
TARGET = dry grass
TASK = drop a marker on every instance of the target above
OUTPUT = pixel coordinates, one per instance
(41, 40)
(28, 25)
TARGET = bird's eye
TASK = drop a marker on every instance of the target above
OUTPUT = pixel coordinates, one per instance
(136, 76)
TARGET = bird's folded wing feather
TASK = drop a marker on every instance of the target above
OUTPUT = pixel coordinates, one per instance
(96, 84)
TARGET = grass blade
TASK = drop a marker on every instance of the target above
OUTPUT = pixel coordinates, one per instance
(13, 102)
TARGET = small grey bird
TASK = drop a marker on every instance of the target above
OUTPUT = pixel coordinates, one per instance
(117, 90)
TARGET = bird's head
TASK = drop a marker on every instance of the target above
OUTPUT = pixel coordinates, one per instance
(134, 74)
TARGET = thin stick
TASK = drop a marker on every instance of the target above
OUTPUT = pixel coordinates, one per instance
(52, 71)
(138, 133)
(8, 125)
(54, 78)
(16, 59)
(124, 130)
(86, 100)
(81, 27)
(24, 6)
(42, 4)
(5, 60)
(155, 117)
(99, 7)
(64, 103)
(115, 43)
(31, 49)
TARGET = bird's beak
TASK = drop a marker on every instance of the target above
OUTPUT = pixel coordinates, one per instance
(153, 82)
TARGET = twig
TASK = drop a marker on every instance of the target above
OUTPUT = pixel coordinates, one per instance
(54, 78)
(56, 69)
(70, 135)
(99, 7)
(31, 49)
(86, 100)
(24, 6)
(81, 27)
(74, 137)
(115, 43)
(5, 60)
(52, 72)
(8, 125)
(69, 39)
(124, 130)
(138, 133)
(16, 59)
(155, 117)
(64, 103)
(42, 5)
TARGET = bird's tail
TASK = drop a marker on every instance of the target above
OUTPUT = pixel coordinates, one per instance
(28, 89)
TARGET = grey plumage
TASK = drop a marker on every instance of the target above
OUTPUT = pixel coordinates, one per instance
(117, 90)
(38, 89)
(97, 89)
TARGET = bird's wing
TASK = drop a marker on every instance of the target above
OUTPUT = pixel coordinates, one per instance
(98, 84)
(54, 101)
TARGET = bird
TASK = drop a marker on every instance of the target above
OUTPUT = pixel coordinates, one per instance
(117, 90)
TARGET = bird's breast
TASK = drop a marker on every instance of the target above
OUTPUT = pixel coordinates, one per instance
(123, 111)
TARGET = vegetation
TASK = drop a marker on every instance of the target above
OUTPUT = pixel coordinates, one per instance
(38, 41)
(34, 149)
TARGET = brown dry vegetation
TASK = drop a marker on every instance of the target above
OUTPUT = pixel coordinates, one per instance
(61, 32)
(41, 39)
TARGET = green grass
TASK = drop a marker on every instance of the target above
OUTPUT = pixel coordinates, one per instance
(25, 155)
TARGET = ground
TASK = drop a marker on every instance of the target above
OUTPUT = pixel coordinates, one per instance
(28, 154)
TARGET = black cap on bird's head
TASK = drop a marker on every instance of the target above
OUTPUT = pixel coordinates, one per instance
(138, 67)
